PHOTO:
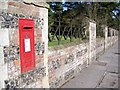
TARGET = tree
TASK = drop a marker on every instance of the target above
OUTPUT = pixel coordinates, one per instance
(71, 22)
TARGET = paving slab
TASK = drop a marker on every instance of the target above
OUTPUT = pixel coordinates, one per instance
(88, 78)
(110, 81)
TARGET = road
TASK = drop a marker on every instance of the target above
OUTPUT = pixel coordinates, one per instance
(102, 73)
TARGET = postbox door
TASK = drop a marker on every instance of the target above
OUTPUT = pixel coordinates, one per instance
(27, 53)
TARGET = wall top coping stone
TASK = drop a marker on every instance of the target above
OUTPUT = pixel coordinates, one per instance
(37, 3)
(67, 45)
(104, 26)
(90, 20)
(112, 29)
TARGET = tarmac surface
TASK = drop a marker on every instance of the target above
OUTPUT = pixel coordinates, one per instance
(102, 73)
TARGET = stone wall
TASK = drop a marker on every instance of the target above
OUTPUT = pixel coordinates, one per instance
(110, 40)
(68, 61)
(100, 46)
(10, 68)
(53, 67)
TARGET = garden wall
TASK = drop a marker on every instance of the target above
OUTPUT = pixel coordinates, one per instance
(10, 68)
(68, 61)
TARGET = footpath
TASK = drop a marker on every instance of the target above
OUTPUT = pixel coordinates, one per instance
(103, 73)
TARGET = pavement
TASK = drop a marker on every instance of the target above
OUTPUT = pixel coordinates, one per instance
(102, 73)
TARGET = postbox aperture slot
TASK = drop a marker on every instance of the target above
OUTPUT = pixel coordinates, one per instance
(27, 27)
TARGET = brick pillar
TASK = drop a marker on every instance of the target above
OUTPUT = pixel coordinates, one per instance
(114, 36)
(106, 37)
(4, 41)
(117, 36)
(110, 38)
(3, 69)
(92, 41)
(44, 13)
(111, 32)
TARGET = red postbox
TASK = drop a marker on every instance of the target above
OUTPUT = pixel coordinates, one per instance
(27, 53)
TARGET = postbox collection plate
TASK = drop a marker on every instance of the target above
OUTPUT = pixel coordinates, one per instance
(26, 40)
